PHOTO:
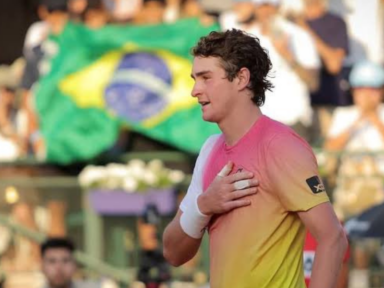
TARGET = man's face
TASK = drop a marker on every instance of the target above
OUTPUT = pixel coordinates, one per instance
(214, 92)
(58, 267)
(367, 99)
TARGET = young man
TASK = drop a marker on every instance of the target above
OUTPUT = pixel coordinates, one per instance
(256, 239)
(58, 263)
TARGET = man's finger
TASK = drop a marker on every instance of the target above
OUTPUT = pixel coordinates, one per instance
(236, 204)
(226, 170)
(245, 175)
(242, 193)
(242, 184)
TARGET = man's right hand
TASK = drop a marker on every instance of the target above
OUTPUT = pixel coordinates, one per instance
(224, 195)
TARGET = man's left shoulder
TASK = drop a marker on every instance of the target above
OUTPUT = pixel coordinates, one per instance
(289, 143)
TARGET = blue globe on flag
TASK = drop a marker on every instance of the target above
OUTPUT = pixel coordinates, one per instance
(139, 87)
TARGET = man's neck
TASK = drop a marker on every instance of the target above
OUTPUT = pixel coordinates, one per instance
(238, 124)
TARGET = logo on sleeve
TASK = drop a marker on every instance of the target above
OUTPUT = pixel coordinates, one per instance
(315, 184)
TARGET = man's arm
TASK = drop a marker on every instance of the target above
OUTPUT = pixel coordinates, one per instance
(178, 247)
(323, 224)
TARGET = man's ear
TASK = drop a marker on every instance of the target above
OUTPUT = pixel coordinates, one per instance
(243, 78)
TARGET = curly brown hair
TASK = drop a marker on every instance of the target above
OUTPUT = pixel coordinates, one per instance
(237, 49)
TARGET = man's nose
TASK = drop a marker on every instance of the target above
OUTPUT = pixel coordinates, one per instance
(195, 90)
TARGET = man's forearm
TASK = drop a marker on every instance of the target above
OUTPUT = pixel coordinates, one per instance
(328, 261)
(178, 247)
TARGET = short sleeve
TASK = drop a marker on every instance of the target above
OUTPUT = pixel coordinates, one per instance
(293, 173)
(196, 186)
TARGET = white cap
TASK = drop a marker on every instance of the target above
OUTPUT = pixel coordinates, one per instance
(269, 2)
(367, 74)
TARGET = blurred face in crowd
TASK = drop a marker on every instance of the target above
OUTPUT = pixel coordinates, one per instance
(191, 8)
(243, 10)
(58, 267)
(153, 12)
(77, 6)
(367, 98)
(96, 18)
(265, 12)
(56, 19)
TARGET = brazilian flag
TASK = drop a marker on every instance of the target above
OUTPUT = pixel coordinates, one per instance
(137, 76)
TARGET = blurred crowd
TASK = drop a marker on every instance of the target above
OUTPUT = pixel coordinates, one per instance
(313, 45)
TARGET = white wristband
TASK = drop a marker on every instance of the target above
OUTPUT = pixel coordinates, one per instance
(193, 222)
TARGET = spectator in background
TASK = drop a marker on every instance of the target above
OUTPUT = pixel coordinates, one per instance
(360, 128)
(11, 142)
(190, 8)
(54, 16)
(76, 9)
(59, 266)
(96, 16)
(295, 62)
(58, 263)
(152, 12)
(330, 35)
(365, 22)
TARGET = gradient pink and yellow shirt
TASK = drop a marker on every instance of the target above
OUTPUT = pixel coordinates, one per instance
(261, 245)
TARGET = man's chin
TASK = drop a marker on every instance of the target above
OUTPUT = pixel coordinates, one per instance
(207, 118)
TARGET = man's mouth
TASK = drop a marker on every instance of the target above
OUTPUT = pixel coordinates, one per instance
(204, 103)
